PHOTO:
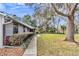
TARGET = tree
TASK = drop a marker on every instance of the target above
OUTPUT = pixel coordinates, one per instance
(33, 23)
(27, 19)
(58, 25)
(43, 13)
(63, 27)
(70, 11)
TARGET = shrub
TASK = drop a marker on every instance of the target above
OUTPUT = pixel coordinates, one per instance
(17, 39)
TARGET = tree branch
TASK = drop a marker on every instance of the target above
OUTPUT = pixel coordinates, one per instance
(58, 12)
(73, 8)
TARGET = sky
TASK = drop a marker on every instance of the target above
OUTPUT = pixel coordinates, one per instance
(18, 9)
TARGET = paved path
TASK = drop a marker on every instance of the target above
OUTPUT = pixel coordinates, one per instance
(32, 48)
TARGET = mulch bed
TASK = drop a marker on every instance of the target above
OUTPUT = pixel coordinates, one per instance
(11, 51)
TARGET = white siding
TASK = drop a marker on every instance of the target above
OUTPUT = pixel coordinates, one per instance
(1, 30)
(9, 29)
(20, 29)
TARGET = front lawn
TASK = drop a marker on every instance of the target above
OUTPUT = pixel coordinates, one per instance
(54, 44)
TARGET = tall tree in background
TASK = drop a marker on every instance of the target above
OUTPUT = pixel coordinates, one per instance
(44, 13)
(27, 19)
(63, 27)
(58, 25)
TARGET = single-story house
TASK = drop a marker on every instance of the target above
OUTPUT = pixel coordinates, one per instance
(10, 25)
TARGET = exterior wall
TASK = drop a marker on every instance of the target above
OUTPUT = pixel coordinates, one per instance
(1, 30)
(28, 29)
(9, 29)
(20, 29)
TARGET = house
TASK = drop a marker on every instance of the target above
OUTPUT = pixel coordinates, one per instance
(10, 25)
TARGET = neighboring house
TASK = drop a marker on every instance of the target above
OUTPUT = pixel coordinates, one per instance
(10, 25)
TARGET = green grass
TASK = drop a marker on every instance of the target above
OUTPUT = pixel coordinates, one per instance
(54, 44)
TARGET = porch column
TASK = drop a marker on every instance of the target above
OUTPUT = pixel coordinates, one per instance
(1, 30)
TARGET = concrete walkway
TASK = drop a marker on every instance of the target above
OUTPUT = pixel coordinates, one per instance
(32, 48)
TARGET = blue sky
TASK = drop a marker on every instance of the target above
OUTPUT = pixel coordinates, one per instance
(18, 9)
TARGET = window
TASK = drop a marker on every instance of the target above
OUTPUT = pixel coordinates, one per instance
(15, 28)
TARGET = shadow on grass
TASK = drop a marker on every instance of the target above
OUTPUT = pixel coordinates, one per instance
(77, 43)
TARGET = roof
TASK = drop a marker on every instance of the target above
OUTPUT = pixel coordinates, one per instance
(17, 20)
(22, 22)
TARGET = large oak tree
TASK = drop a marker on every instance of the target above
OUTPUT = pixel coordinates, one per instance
(70, 11)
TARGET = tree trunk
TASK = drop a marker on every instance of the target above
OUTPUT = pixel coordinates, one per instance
(46, 26)
(58, 26)
(70, 29)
